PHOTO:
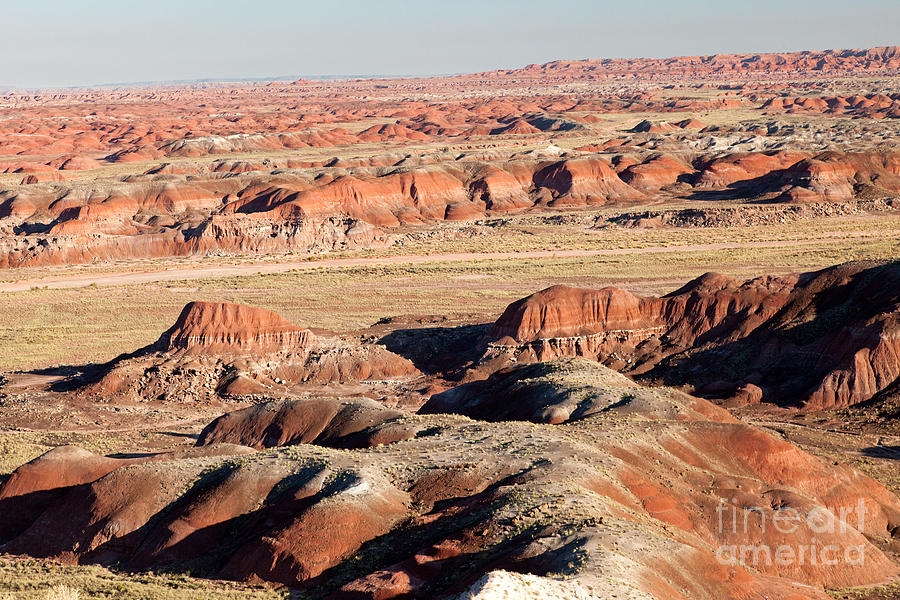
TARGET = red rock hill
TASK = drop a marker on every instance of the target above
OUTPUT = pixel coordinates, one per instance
(211, 327)
(823, 339)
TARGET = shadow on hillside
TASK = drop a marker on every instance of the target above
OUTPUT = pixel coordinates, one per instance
(32, 228)
(60, 371)
(73, 377)
(181, 434)
(77, 377)
(754, 189)
(891, 452)
(717, 195)
(132, 454)
(437, 349)
(65, 378)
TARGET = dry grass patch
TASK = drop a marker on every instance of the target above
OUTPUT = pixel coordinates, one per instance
(39, 580)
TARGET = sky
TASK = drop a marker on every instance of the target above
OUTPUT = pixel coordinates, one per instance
(55, 43)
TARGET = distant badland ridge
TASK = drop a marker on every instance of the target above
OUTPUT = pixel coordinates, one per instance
(881, 58)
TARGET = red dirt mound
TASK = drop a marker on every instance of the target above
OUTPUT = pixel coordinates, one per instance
(655, 172)
(215, 327)
(73, 162)
(581, 181)
(566, 312)
(48, 478)
(64, 466)
(227, 349)
(357, 423)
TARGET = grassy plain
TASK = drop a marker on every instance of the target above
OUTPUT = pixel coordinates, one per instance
(44, 327)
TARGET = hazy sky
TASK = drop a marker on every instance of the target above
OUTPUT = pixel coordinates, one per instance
(81, 42)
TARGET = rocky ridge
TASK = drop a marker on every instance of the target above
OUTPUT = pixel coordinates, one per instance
(817, 340)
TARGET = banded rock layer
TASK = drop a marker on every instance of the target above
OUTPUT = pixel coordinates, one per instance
(285, 210)
(219, 348)
(824, 339)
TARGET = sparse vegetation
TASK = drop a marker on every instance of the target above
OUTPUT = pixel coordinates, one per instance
(94, 324)
(890, 591)
(63, 592)
(23, 579)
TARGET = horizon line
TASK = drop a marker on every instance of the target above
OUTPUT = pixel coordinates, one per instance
(347, 77)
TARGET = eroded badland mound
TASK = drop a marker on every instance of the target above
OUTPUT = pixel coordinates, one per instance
(229, 349)
(357, 423)
(218, 327)
(825, 339)
(622, 500)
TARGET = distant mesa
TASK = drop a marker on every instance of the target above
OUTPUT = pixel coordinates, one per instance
(871, 60)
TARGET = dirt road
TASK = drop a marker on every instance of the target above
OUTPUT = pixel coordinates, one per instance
(203, 272)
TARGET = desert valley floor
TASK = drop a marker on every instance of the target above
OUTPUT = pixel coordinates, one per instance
(522, 333)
